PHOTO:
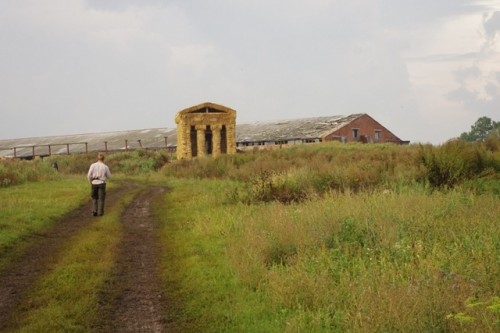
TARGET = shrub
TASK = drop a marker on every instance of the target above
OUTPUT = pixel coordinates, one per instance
(285, 187)
(136, 162)
(304, 171)
(14, 172)
(455, 162)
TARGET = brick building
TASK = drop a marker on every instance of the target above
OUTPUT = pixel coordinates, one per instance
(351, 128)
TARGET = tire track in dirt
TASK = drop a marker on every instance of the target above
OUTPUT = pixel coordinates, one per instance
(133, 300)
(42, 254)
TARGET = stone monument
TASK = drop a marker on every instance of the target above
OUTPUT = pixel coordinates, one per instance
(205, 129)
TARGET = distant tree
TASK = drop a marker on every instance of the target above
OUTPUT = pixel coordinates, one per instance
(481, 130)
(495, 133)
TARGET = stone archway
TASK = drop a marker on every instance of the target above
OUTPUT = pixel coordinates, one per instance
(205, 129)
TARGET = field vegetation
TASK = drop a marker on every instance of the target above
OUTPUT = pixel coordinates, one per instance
(132, 163)
(313, 238)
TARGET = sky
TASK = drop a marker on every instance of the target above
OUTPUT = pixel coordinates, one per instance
(425, 69)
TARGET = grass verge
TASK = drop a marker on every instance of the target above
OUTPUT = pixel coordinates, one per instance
(31, 209)
(200, 282)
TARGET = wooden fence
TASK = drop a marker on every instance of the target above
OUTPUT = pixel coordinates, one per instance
(48, 149)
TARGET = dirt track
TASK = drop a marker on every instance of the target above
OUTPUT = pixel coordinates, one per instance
(132, 300)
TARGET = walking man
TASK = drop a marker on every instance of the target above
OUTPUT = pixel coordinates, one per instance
(98, 175)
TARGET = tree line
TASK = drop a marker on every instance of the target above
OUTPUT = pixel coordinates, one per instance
(483, 129)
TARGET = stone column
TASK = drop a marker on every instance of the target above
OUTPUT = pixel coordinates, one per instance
(216, 140)
(186, 142)
(231, 138)
(180, 141)
(200, 140)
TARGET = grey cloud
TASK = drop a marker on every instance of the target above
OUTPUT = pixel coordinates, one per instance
(471, 100)
(133, 64)
(409, 14)
(468, 72)
(492, 24)
(121, 5)
(492, 89)
(446, 57)
(478, 107)
(478, 90)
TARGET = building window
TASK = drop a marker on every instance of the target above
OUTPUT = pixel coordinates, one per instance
(378, 135)
(355, 133)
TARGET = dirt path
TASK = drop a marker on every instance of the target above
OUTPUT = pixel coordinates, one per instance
(133, 299)
(40, 257)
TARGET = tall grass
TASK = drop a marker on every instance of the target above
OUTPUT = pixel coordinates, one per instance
(352, 262)
(363, 243)
(307, 172)
(373, 262)
(323, 159)
(458, 161)
(132, 163)
(14, 172)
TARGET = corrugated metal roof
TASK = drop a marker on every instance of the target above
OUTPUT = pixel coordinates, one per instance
(149, 138)
(304, 128)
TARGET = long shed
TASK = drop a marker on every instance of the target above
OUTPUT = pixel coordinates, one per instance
(351, 128)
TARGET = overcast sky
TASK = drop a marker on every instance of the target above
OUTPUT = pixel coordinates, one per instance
(425, 69)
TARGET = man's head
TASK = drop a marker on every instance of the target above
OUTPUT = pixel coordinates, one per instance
(100, 157)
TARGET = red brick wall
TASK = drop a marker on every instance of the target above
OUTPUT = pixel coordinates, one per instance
(366, 127)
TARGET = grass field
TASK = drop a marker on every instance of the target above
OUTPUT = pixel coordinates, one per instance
(369, 262)
(32, 208)
(325, 238)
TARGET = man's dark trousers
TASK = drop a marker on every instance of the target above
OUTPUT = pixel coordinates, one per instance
(98, 194)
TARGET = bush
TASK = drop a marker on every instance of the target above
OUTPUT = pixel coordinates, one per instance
(13, 172)
(303, 172)
(286, 187)
(136, 162)
(456, 162)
